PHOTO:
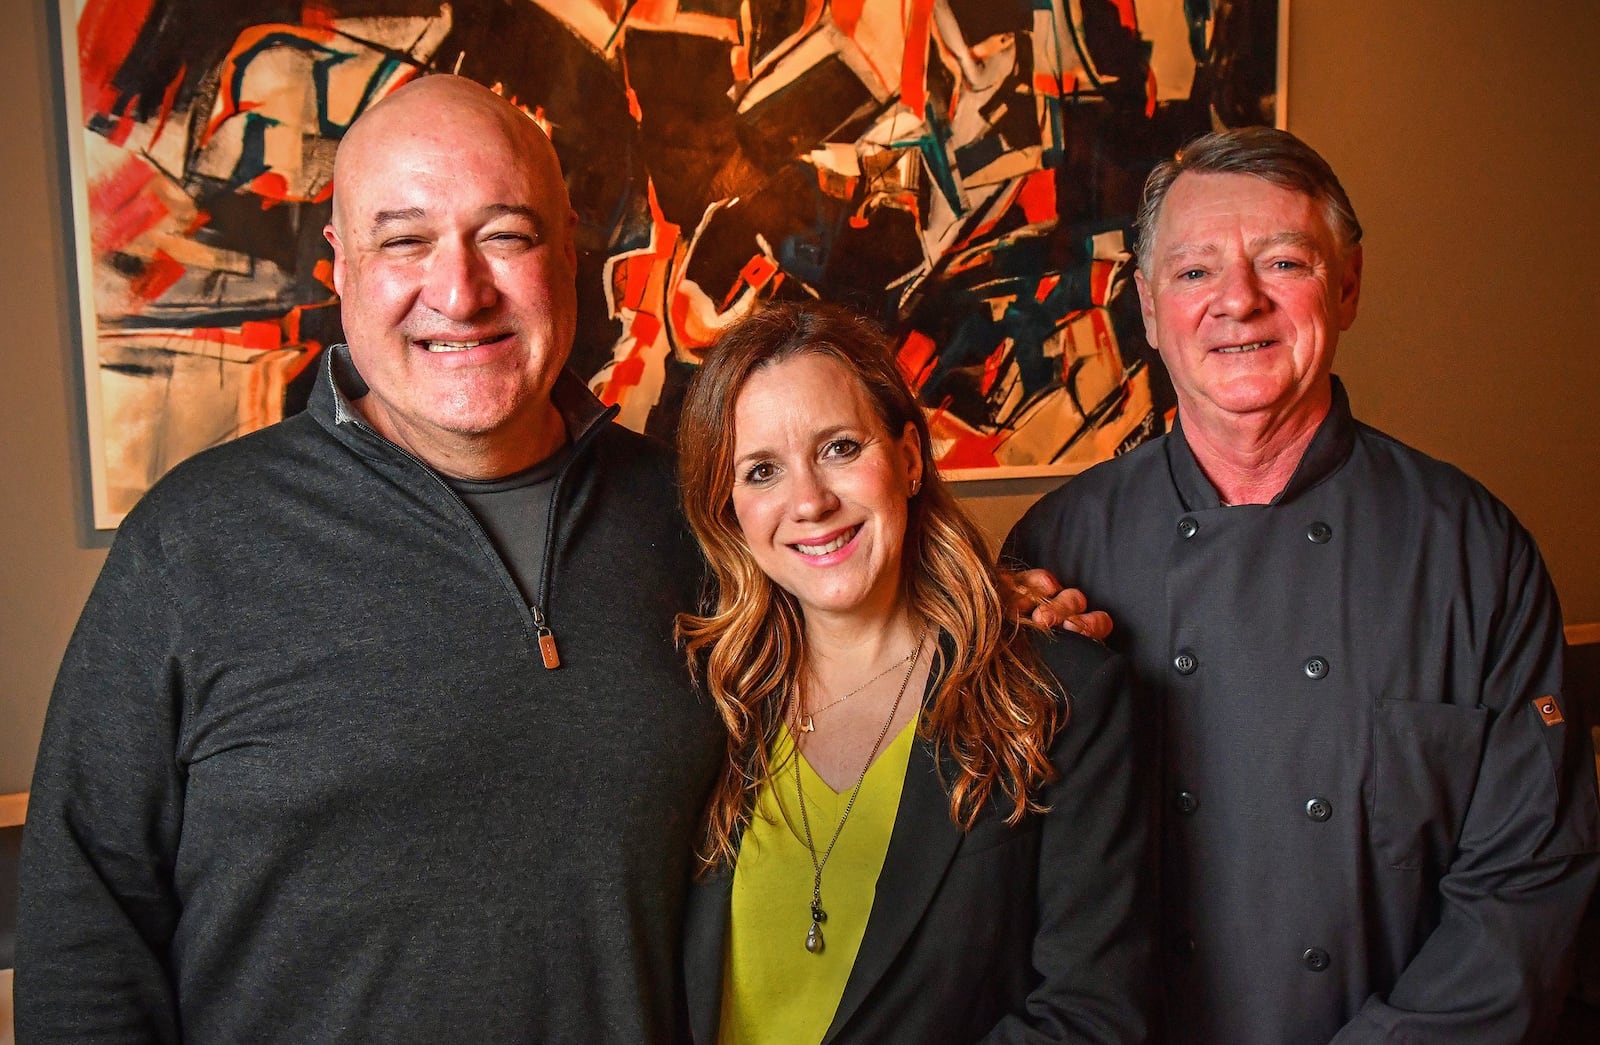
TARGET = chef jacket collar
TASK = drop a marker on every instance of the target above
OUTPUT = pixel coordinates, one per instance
(1329, 449)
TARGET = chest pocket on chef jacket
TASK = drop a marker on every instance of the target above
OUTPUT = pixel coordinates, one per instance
(1425, 762)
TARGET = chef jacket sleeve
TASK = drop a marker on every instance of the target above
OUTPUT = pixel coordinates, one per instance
(1524, 866)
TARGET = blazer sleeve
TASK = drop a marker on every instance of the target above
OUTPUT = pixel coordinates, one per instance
(97, 907)
(1094, 949)
(1493, 970)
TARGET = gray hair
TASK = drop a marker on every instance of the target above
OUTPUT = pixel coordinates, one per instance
(1261, 152)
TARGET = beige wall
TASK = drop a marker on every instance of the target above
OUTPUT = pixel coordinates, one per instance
(1463, 129)
(45, 571)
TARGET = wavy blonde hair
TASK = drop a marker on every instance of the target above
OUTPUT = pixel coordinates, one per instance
(995, 712)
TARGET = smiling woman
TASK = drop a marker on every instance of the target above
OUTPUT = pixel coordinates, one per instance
(820, 489)
(915, 784)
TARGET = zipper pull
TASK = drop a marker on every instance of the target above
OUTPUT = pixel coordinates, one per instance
(547, 641)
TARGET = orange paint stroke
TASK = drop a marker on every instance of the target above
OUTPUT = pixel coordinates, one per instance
(272, 187)
(646, 327)
(630, 277)
(262, 335)
(1127, 14)
(968, 449)
(915, 358)
(168, 99)
(992, 365)
(317, 14)
(757, 271)
(739, 55)
(847, 15)
(107, 30)
(160, 273)
(114, 190)
(914, 67)
(1037, 197)
(755, 275)
(120, 226)
(1100, 272)
(625, 374)
(654, 12)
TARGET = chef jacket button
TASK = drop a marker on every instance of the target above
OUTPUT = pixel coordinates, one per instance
(1316, 668)
(1319, 809)
(1187, 527)
(1185, 662)
(1319, 533)
(1186, 802)
(1316, 959)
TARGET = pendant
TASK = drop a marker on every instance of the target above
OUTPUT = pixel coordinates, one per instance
(814, 938)
(806, 725)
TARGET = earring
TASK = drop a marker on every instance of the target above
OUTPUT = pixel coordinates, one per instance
(916, 484)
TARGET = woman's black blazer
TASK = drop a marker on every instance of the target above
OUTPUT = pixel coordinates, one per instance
(1041, 932)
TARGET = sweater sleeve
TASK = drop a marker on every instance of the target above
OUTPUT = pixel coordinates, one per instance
(1525, 864)
(97, 905)
(1094, 949)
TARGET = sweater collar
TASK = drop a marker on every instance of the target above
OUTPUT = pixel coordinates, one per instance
(1329, 449)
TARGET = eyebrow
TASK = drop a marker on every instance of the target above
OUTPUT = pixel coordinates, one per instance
(1287, 238)
(385, 218)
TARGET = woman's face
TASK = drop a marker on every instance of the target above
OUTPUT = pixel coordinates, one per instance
(820, 487)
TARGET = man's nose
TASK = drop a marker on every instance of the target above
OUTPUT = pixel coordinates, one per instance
(1240, 292)
(460, 282)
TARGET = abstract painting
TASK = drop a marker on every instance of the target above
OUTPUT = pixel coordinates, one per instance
(964, 171)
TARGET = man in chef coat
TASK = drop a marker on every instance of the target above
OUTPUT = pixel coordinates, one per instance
(1380, 819)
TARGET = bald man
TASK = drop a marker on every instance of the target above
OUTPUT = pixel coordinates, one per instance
(372, 728)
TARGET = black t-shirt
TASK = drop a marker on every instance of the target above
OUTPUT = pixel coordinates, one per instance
(514, 511)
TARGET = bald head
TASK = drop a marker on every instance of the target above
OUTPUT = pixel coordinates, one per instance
(441, 107)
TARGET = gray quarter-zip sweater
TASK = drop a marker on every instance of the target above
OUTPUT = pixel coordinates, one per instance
(306, 778)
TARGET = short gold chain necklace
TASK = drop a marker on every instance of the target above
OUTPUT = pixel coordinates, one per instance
(803, 718)
(818, 915)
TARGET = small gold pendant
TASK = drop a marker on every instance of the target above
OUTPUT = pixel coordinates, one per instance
(806, 725)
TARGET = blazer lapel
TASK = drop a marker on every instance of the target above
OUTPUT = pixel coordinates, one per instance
(705, 933)
(920, 849)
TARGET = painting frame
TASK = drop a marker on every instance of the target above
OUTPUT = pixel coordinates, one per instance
(242, 353)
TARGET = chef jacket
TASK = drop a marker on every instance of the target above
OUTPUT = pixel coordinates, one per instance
(1380, 819)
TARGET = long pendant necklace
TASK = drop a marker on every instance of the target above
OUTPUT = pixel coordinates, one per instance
(818, 915)
(803, 718)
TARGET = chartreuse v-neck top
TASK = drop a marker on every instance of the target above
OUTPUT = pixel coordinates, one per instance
(774, 991)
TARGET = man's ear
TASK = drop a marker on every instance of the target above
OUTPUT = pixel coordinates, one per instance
(1350, 287)
(331, 234)
(1147, 307)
